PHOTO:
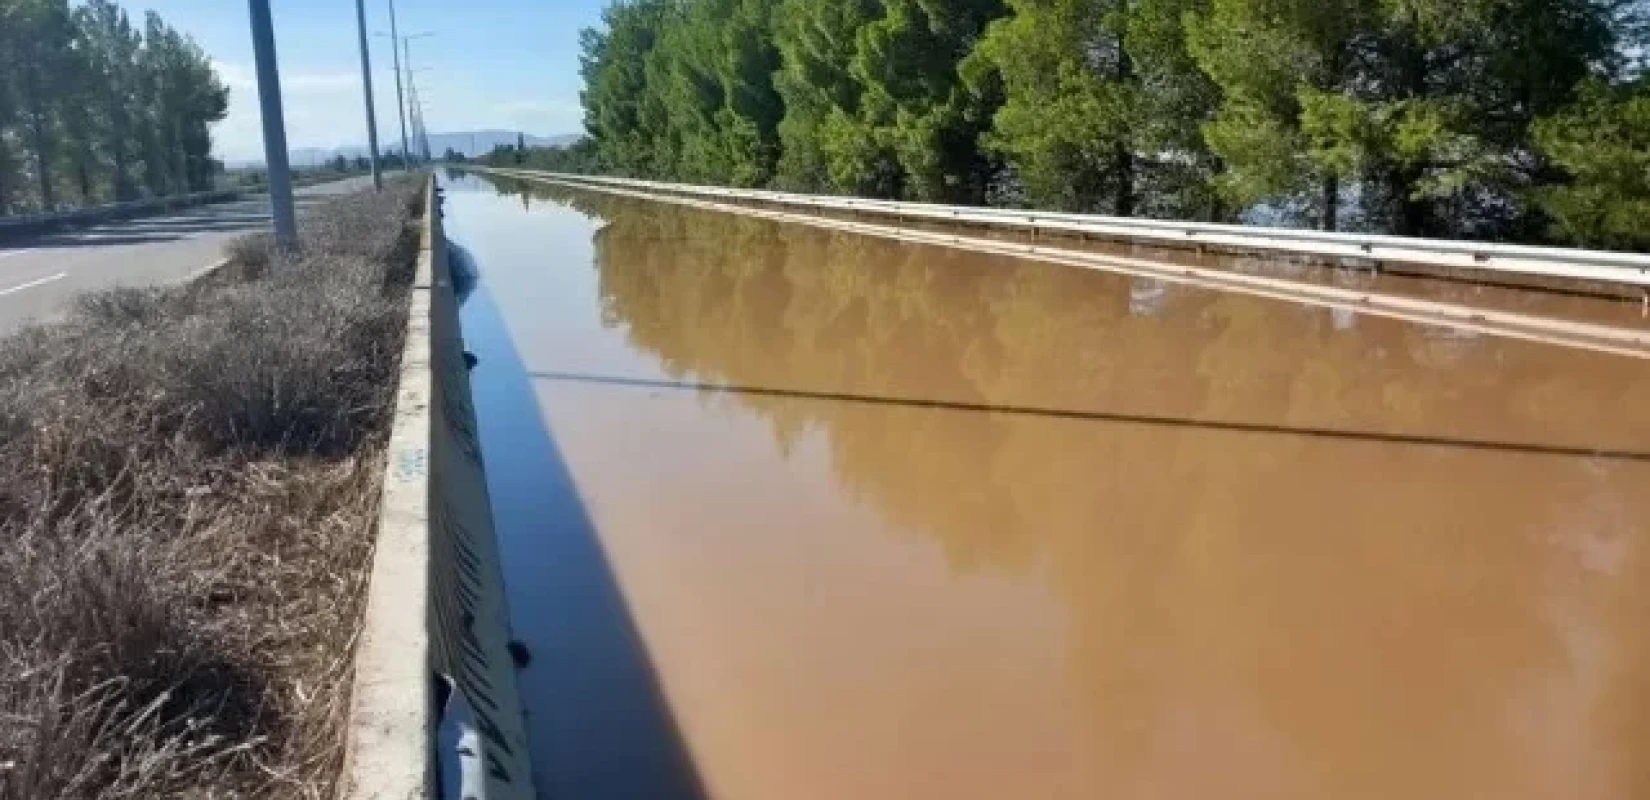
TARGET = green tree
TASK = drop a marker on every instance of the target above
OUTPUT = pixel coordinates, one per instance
(581, 157)
(110, 47)
(80, 125)
(41, 65)
(87, 103)
(1066, 126)
(1444, 144)
(747, 121)
(1411, 116)
(1270, 58)
(915, 107)
(182, 96)
(820, 94)
(1423, 104)
(681, 76)
(1602, 145)
(1102, 105)
(712, 113)
(621, 111)
(10, 29)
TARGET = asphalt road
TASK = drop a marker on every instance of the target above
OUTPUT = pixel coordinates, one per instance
(40, 276)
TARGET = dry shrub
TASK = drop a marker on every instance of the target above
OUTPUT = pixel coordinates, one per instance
(188, 483)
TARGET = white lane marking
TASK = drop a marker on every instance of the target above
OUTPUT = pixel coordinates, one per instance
(31, 284)
(10, 253)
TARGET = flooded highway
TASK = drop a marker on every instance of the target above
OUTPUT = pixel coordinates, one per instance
(793, 514)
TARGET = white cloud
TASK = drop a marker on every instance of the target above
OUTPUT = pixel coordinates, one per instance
(242, 76)
(322, 109)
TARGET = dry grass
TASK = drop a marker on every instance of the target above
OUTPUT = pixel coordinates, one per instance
(188, 483)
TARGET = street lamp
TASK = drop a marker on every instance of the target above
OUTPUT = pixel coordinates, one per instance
(400, 103)
(397, 44)
(415, 108)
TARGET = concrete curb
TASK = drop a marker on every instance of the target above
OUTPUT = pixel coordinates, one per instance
(390, 743)
(207, 270)
(435, 618)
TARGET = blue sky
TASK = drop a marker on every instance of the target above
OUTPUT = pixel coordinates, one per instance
(510, 64)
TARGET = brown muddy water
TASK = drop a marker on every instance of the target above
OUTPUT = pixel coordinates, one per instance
(790, 514)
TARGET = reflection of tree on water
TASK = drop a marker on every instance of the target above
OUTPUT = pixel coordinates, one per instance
(1271, 605)
(518, 188)
(747, 303)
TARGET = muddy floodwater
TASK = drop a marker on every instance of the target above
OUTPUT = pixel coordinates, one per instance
(790, 514)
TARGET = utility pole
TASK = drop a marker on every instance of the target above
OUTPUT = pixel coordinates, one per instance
(366, 89)
(269, 99)
(412, 89)
(415, 109)
(420, 135)
(400, 100)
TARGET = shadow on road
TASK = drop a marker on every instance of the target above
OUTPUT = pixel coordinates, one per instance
(239, 216)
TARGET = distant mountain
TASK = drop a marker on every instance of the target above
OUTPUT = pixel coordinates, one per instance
(470, 143)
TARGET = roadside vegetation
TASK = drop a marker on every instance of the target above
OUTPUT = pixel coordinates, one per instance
(188, 486)
(1518, 120)
(332, 169)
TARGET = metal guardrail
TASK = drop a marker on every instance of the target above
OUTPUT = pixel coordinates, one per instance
(1556, 262)
(1631, 342)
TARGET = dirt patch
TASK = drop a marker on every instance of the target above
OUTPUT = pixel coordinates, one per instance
(188, 485)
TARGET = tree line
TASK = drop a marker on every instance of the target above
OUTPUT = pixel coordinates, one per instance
(1521, 120)
(94, 108)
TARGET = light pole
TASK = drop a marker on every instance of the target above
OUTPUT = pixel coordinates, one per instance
(366, 90)
(412, 91)
(269, 99)
(415, 107)
(403, 71)
(417, 116)
(400, 100)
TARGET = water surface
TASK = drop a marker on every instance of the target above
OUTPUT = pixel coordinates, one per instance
(790, 513)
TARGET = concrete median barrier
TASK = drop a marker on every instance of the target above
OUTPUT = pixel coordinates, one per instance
(435, 639)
